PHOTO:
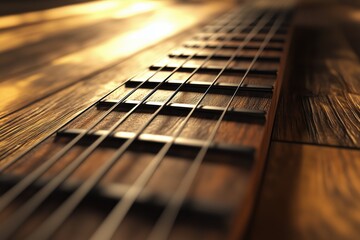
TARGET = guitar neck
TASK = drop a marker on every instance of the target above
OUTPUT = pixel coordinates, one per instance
(176, 151)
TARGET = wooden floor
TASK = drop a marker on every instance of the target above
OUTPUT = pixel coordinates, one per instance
(311, 186)
(90, 52)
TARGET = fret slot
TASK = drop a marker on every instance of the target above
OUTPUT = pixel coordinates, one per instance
(198, 86)
(226, 53)
(224, 57)
(212, 45)
(153, 143)
(180, 109)
(247, 45)
(255, 39)
(211, 69)
(164, 152)
(281, 31)
(236, 38)
(146, 201)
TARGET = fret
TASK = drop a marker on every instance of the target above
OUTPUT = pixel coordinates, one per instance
(199, 86)
(181, 108)
(207, 104)
(212, 68)
(235, 38)
(153, 143)
(225, 53)
(224, 57)
(280, 31)
(238, 37)
(238, 66)
(214, 29)
(200, 76)
(147, 201)
(232, 45)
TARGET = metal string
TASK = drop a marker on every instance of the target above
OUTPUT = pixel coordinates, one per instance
(20, 216)
(56, 219)
(5, 166)
(116, 216)
(15, 191)
(166, 222)
(30, 178)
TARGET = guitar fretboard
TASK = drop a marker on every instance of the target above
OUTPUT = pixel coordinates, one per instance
(174, 152)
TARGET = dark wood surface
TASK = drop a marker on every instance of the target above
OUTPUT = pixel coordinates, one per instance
(323, 90)
(309, 192)
(310, 186)
(53, 74)
(51, 84)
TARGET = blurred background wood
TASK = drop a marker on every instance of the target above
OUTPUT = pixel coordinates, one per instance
(311, 185)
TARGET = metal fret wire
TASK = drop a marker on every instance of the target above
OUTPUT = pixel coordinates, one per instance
(117, 215)
(167, 219)
(57, 218)
(11, 194)
(22, 214)
(18, 157)
(21, 155)
(16, 190)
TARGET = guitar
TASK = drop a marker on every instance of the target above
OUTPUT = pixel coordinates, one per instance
(176, 151)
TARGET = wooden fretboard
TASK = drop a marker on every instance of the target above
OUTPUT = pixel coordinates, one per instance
(175, 152)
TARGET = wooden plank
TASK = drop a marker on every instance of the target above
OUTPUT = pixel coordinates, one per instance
(27, 34)
(321, 97)
(55, 13)
(327, 120)
(48, 45)
(309, 192)
(18, 92)
(216, 183)
(21, 129)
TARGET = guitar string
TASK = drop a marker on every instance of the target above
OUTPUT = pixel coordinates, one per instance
(5, 166)
(20, 216)
(29, 179)
(54, 221)
(167, 219)
(8, 197)
(8, 164)
(109, 226)
(57, 218)
(18, 157)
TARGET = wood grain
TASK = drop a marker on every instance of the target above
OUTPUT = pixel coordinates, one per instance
(70, 68)
(327, 120)
(49, 42)
(309, 192)
(320, 103)
(68, 81)
(48, 114)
